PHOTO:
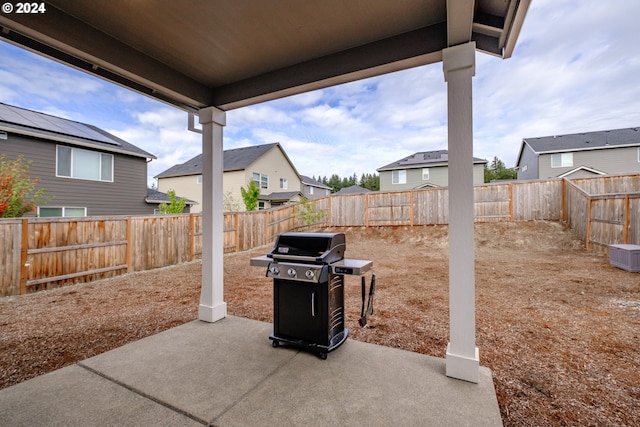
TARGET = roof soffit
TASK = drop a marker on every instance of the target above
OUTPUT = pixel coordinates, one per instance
(231, 54)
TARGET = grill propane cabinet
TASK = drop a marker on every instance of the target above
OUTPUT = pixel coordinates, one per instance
(308, 289)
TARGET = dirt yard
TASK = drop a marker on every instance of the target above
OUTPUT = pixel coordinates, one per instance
(558, 326)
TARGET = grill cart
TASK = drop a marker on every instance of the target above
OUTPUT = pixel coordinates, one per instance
(308, 289)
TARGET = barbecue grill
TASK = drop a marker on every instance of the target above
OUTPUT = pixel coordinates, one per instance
(308, 289)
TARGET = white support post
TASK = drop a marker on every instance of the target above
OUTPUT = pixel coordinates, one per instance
(212, 307)
(462, 357)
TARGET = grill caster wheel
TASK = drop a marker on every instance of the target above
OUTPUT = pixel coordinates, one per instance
(275, 344)
(323, 356)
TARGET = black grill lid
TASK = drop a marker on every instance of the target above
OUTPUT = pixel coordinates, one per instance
(309, 247)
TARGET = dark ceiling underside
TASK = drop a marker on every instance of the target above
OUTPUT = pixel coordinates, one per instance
(229, 54)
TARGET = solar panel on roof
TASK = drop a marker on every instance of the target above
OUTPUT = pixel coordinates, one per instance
(45, 122)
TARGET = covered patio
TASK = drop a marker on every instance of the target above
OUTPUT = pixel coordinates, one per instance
(207, 57)
(226, 374)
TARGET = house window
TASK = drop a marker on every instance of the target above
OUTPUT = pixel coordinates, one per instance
(638, 155)
(562, 160)
(399, 177)
(61, 211)
(262, 181)
(199, 179)
(425, 174)
(261, 205)
(77, 163)
(310, 190)
(283, 183)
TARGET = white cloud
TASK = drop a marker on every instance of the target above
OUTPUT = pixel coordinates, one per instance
(576, 68)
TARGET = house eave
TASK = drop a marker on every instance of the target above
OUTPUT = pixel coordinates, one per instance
(74, 141)
(602, 147)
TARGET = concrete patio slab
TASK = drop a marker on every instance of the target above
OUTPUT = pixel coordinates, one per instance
(227, 374)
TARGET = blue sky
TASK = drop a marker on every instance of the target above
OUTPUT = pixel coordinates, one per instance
(576, 68)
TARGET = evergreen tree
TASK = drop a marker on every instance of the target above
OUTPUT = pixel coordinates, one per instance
(498, 171)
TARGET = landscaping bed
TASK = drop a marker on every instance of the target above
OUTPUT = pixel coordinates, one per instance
(558, 326)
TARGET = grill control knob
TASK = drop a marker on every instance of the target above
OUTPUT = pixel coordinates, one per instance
(292, 272)
(309, 274)
(275, 270)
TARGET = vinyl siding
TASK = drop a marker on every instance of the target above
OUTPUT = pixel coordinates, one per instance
(438, 176)
(611, 161)
(528, 161)
(273, 164)
(184, 186)
(124, 196)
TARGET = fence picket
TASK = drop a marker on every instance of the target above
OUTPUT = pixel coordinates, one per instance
(41, 253)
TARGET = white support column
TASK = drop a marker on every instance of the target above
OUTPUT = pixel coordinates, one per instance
(212, 307)
(462, 354)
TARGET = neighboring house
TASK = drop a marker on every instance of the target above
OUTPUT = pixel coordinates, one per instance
(313, 189)
(353, 189)
(580, 155)
(156, 198)
(87, 171)
(268, 165)
(422, 170)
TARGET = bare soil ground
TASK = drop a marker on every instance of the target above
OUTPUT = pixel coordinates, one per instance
(558, 326)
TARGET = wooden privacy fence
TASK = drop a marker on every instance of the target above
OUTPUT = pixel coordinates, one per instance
(44, 253)
(604, 211)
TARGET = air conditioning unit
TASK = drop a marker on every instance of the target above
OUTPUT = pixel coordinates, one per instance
(626, 257)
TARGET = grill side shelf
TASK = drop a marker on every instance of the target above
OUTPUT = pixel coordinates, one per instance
(355, 267)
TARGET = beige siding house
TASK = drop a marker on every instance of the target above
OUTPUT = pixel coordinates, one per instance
(422, 170)
(268, 165)
(580, 155)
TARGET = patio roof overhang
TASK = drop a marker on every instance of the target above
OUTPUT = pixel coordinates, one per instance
(214, 55)
(230, 54)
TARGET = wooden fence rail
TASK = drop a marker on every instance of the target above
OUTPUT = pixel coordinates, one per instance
(44, 253)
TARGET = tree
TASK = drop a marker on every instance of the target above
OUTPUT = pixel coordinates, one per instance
(250, 196)
(306, 211)
(229, 203)
(498, 171)
(18, 195)
(175, 205)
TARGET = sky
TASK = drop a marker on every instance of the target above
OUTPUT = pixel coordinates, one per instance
(575, 68)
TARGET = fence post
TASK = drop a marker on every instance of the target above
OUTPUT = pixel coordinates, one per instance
(366, 210)
(588, 238)
(237, 233)
(267, 226)
(411, 208)
(511, 201)
(192, 237)
(626, 218)
(128, 250)
(24, 247)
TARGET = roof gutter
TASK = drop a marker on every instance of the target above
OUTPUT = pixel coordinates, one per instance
(74, 142)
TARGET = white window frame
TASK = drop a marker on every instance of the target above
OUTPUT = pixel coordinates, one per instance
(284, 184)
(638, 155)
(261, 180)
(199, 179)
(63, 210)
(425, 174)
(565, 160)
(399, 176)
(71, 166)
(310, 190)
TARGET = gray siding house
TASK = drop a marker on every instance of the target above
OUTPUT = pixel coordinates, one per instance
(87, 171)
(580, 155)
(313, 189)
(422, 170)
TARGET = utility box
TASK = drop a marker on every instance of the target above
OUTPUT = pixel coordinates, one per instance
(626, 257)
